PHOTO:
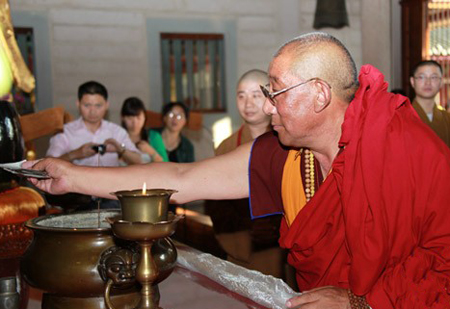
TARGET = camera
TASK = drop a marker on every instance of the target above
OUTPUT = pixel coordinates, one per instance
(101, 149)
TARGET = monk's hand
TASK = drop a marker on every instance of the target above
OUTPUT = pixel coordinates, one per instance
(329, 297)
(59, 172)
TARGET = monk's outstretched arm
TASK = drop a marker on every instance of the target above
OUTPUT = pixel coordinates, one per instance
(221, 177)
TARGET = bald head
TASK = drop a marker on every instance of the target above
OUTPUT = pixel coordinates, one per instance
(250, 101)
(321, 55)
(255, 75)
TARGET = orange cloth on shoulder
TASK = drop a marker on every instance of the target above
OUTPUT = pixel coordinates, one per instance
(293, 193)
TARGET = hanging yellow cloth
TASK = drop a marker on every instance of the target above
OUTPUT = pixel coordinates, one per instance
(8, 45)
(292, 191)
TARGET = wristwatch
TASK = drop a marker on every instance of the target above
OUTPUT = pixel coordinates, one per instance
(121, 150)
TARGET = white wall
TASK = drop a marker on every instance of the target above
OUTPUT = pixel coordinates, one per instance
(350, 36)
(396, 45)
(376, 42)
(105, 40)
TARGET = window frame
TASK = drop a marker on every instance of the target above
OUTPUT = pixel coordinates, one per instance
(217, 95)
(227, 27)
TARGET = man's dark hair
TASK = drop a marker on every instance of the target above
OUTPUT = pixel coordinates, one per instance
(424, 63)
(168, 107)
(92, 87)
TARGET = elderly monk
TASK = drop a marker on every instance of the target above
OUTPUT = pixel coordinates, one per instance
(376, 231)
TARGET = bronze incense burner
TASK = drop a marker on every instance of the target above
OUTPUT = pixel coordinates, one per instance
(77, 260)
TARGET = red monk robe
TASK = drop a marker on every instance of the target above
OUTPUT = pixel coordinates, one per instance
(380, 222)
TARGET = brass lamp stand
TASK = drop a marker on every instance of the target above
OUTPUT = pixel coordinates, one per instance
(145, 219)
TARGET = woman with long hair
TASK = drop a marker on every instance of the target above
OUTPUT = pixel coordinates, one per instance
(133, 120)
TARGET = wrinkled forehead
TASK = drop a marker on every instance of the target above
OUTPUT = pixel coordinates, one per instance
(281, 68)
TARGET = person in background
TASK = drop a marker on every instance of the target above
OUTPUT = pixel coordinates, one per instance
(426, 79)
(91, 140)
(179, 149)
(133, 120)
(249, 243)
(249, 101)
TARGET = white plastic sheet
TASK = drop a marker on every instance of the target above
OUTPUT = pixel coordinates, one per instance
(264, 290)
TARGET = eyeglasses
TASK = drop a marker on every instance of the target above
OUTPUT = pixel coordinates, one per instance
(423, 78)
(271, 95)
(177, 116)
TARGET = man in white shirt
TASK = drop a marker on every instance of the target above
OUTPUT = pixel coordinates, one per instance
(90, 140)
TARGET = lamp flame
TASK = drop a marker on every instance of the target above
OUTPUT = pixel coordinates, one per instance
(144, 188)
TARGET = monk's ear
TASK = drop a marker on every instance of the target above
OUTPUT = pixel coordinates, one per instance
(323, 98)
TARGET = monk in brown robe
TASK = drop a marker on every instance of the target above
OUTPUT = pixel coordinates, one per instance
(426, 79)
(248, 243)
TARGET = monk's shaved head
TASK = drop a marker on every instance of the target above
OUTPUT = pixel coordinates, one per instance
(256, 75)
(321, 55)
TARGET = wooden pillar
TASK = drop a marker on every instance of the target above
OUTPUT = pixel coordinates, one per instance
(413, 38)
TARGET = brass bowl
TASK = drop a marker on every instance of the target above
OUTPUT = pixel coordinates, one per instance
(151, 206)
(63, 259)
(145, 231)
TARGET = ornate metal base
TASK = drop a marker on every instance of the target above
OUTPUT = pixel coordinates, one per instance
(147, 272)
